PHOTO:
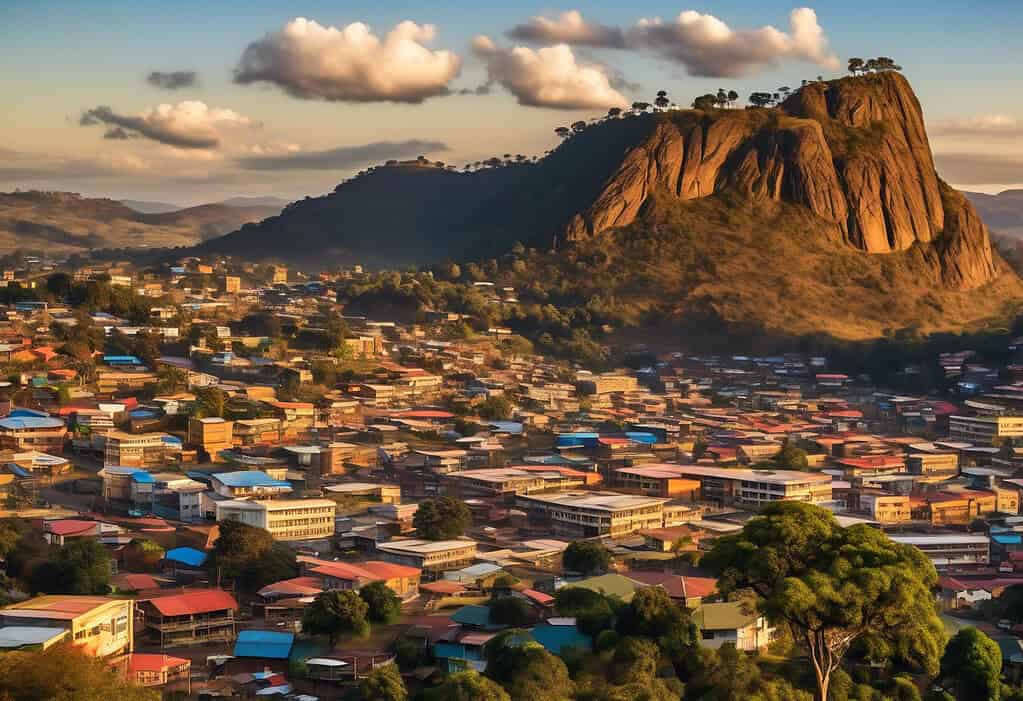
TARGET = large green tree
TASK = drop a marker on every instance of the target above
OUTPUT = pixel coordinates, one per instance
(972, 663)
(469, 686)
(651, 613)
(80, 567)
(586, 557)
(334, 613)
(526, 670)
(383, 684)
(64, 673)
(442, 518)
(250, 557)
(834, 586)
(384, 605)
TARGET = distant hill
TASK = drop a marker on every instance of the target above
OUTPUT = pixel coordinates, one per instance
(67, 222)
(823, 215)
(146, 207)
(277, 202)
(1003, 213)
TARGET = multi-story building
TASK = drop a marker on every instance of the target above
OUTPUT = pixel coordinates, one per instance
(30, 432)
(950, 549)
(517, 480)
(211, 434)
(248, 484)
(757, 487)
(886, 508)
(592, 514)
(430, 556)
(943, 464)
(656, 480)
(401, 579)
(142, 450)
(285, 519)
(109, 380)
(191, 618)
(100, 626)
(986, 430)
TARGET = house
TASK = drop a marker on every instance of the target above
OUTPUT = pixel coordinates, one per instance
(263, 650)
(727, 622)
(401, 579)
(152, 669)
(557, 634)
(431, 556)
(102, 627)
(192, 618)
(588, 514)
(248, 484)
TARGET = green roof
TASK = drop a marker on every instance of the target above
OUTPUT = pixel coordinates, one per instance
(610, 584)
(723, 616)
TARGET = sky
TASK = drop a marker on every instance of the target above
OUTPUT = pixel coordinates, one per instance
(192, 102)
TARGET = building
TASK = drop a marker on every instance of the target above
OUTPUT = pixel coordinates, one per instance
(950, 549)
(593, 514)
(232, 284)
(192, 618)
(430, 556)
(23, 433)
(747, 487)
(933, 464)
(401, 579)
(285, 519)
(143, 450)
(727, 623)
(985, 430)
(100, 626)
(656, 480)
(248, 484)
(110, 380)
(151, 669)
(886, 508)
(517, 480)
(211, 434)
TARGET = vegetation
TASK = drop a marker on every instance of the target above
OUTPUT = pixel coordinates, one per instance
(64, 673)
(586, 556)
(442, 518)
(80, 567)
(335, 613)
(250, 557)
(972, 666)
(468, 686)
(384, 605)
(383, 684)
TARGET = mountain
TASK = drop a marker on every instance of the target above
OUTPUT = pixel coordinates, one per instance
(823, 215)
(148, 207)
(277, 203)
(66, 222)
(1003, 212)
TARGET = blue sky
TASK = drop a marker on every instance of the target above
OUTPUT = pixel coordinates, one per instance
(62, 59)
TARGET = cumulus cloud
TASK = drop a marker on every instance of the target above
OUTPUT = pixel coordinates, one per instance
(569, 28)
(979, 168)
(343, 157)
(708, 47)
(547, 77)
(350, 64)
(985, 125)
(172, 80)
(188, 125)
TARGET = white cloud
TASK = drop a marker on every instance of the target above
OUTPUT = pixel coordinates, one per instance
(548, 77)
(708, 47)
(350, 64)
(187, 125)
(983, 125)
(568, 28)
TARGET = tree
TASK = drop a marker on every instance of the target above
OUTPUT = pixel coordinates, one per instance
(791, 457)
(634, 661)
(833, 586)
(170, 379)
(705, 102)
(593, 611)
(250, 556)
(210, 402)
(80, 567)
(64, 673)
(526, 670)
(586, 557)
(721, 98)
(641, 106)
(855, 66)
(662, 100)
(732, 97)
(579, 126)
(442, 518)
(142, 555)
(761, 99)
(510, 610)
(334, 613)
(651, 613)
(383, 684)
(469, 686)
(496, 408)
(384, 605)
(973, 664)
(614, 112)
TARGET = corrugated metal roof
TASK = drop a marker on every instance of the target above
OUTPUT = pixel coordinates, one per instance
(269, 644)
(192, 602)
(186, 556)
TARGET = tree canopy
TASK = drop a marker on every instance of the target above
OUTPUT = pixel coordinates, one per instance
(442, 518)
(383, 684)
(250, 556)
(972, 664)
(586, 557)
(336, 612)
(469, 686)
(834, 586)
(80, 567)
(384, 605)
(64, 673)
(526, 670)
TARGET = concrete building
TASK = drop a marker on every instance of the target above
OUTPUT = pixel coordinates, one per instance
(22, 433)
(950, 549)
(143, 450)
(517, 480)
(757, 487)
(248, 484)
(985, 430)
(593, 514)
(100, 626)
(285, 519)
(430, 556)
(211, 435)
(656, 480)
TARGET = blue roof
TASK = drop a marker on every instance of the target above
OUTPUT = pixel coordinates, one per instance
(641, 436)
(1007, 539)
(248, 478)
(142, 477)
(17, 470)
(478, 616)
(268, 644)
(512, 427)
(29, 422)
(186, 556)
(21, 411)
(557, 638)
(121, 360)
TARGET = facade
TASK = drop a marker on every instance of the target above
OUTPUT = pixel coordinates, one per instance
(285, 519)
(886, 508)
(401, 579)
(429, 555)
(758, 487)
(593, 514)
(248, 484)
(192, 618)
(726, 623)
(657, 480)
(143, 450)
(150, 669)
(985, 430)
(517, 480)
(950, 549)
(23, 433)
(211, 434)
(102, 627)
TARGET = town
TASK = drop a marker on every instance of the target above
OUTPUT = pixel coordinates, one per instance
(222, 486)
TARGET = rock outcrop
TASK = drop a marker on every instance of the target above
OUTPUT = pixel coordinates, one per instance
(853, 151)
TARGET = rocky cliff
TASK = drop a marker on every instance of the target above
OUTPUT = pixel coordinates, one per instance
(853, 151)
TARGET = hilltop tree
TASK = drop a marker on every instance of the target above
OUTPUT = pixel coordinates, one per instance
(641, 106)
(384, 605)
(855, 66)
(442, 518)
(721, 99)
(833, 587)
(732, 97)
(705, 102)
(973, 664)
(662, 100)
(761, 99)
(383, 684)
(333, 613)
(579, 126)
(614, 112)
(586, 556)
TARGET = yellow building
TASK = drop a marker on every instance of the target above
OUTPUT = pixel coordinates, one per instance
(285, 519)
(211, 434)
(100, 626)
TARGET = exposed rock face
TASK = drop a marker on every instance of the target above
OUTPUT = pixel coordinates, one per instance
(853, 151)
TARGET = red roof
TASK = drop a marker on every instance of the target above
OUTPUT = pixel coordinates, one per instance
(69, 527)
(538, 597)
(154, 662)
(134, 582)
(297, 585)
(199, 601)
(425, 414)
